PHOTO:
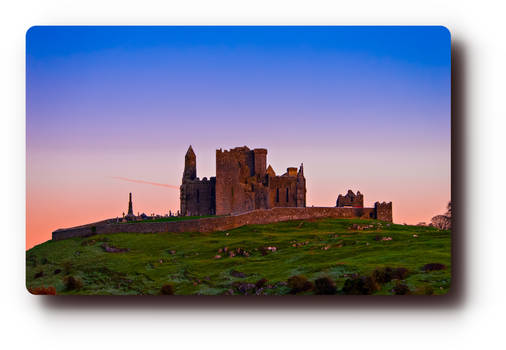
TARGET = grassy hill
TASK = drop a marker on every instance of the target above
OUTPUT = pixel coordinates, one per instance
(195, 263)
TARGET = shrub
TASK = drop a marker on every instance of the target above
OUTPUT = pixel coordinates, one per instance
(72, 283)
(42, 290)
(324, 286)
(299, 284)
(57, 271)
(400, 273)
(433, 267)
(167, 290)
(244, 287)
(401, 289)
(260, 283)
(360, 285)
(387, 274)
(39, 274)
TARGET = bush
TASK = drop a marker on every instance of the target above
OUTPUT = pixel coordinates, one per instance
(433, 267)
(324, 286)
(401, 289)
(39, 274)
(299, 284)
(167, 290)
(387, 274)
(42, 290)
(400, 273)
(72, 283)
(260, 283)
(360, 285)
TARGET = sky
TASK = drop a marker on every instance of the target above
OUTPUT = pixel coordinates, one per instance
(112, 110)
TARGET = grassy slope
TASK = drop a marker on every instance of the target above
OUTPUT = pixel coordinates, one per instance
(193, 269)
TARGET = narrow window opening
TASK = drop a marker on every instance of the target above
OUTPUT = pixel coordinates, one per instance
(277, 195)
(287, 194)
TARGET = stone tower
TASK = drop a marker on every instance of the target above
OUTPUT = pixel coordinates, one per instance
(190, 165)
(130, 207)
(197, 197)
(242, 183)
(130, 216)
(301, 188)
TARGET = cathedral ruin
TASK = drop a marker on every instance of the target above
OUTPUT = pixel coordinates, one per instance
(245, 191)
(243, 182)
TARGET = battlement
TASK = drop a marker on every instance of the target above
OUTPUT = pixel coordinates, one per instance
(383, 211)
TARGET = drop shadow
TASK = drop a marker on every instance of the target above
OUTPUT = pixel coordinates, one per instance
(454, 299)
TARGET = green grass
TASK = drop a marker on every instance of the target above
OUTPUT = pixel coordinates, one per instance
(193, 269)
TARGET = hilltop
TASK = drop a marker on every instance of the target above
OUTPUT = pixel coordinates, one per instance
(253, 259)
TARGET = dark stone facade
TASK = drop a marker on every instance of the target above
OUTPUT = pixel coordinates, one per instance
(351, 200)
(242, 183)
(197, 197)
(383, 211)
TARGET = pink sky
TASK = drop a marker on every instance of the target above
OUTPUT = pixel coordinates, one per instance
(364, 108)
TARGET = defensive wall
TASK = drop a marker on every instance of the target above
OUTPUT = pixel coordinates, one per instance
(381, 211)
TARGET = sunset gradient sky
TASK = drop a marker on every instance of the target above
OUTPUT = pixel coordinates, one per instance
(364, 108)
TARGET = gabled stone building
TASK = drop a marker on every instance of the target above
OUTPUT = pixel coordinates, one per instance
(243, 182)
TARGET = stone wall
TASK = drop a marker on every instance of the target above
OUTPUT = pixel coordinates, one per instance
(220, 223)
(235, 180)
(283, 191)
(383, 211)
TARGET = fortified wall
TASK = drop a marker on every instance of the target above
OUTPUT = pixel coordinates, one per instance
(220, 223)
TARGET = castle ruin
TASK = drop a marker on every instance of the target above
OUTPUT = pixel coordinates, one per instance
(243, 183)
(244, 192)
(351, 200)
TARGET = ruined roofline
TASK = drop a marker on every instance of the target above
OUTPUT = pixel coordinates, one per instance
(242, 148)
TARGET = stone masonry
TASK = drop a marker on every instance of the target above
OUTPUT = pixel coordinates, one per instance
(351, 200)
(243, 183)
(244, 192)
(226, 222)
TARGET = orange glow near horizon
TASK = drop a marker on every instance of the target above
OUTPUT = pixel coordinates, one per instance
(60, 204)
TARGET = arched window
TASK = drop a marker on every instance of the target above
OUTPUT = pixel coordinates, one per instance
(287, 194)
(277, 195)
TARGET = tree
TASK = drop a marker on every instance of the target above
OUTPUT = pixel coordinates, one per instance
(442, 222)
(449, 210)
